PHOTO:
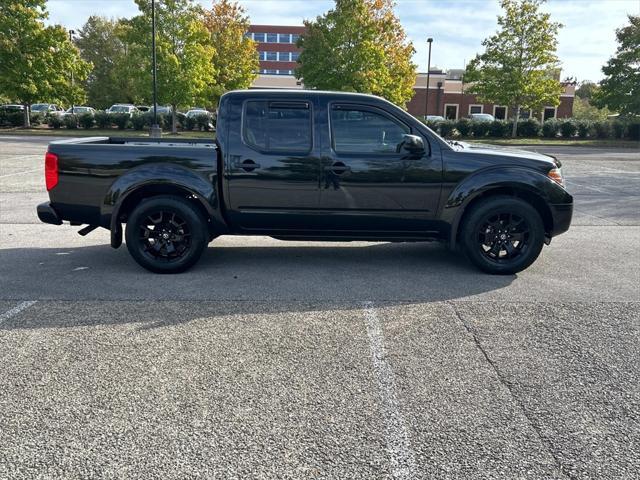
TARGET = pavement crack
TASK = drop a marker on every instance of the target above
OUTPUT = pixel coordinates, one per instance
(509, 386)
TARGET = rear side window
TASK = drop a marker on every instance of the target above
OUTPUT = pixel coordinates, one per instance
(360, 130)
(277, 126)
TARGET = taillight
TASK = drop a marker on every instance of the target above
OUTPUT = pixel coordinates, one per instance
(51, 170)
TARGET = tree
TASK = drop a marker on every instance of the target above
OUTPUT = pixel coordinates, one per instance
(184, 53)
(587, 89)
(111, 80)
(519, 66)
(620, 90)
(36, 62)
(236, 58)
(358, 46)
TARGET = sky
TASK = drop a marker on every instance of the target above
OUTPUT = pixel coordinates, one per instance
(457, 27)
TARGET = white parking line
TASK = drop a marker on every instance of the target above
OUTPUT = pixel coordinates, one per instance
(21, 173)
(402, 458)
(16, 310)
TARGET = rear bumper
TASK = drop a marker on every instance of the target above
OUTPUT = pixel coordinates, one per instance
(562, 214)
(47, 214)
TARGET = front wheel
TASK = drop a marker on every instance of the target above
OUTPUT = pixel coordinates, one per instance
(166, 234)
(503, 235)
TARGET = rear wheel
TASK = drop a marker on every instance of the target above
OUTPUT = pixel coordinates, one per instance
(503, 235)
(166, 234)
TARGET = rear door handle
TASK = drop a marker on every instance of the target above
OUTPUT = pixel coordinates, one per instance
(338, 168)
(249, 165)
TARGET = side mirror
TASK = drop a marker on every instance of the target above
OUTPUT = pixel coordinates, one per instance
(413, 143)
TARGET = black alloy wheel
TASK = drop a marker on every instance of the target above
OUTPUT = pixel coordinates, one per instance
(502, 235)
(166, 234)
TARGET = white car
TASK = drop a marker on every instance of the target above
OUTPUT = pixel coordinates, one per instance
(46, 109)
(482, 117)
(80, 110)
(123, 108)
(198, 111)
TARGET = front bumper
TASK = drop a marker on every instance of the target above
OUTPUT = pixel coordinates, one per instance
(562, 214)
(47, 214)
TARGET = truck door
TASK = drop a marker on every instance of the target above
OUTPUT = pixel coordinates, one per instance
(370, 182)
(273, 171)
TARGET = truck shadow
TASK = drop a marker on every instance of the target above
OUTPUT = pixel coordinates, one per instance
(238, 280)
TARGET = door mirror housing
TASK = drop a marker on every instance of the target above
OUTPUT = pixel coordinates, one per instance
(413, 143)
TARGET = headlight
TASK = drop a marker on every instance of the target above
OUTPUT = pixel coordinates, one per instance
(555, 174)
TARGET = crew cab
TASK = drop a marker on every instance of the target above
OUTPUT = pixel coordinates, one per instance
(308, 165)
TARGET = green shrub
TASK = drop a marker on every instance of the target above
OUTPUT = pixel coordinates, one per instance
(102, 120)
(120, 120)
(86, 120)
(480, 129)
(70, 121)
(529, 128)
(11, 119)
(619, 128)
(190, 123)
(463, 126)
(203, 122)
(633, 130)
(139, 121)
(446, 128)
(550, 128)
(602, 129)
(568, 128)
(35, 119)
(55, 121)
(499, 129)
(584, 127)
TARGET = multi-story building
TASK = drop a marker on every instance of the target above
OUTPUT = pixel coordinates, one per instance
(276, 47)
(447, 96)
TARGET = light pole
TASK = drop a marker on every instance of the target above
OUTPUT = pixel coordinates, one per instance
(426, 107)
(73, 107)
(156, 131)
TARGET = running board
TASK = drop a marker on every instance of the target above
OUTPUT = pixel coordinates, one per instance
(87, 230)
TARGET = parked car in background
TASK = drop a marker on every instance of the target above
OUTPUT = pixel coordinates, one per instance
(143, 108)
(46, 109)
(11, 107)
(123, 108)
(434, 118)
(482, 117)
(80, 111)
(198, 111)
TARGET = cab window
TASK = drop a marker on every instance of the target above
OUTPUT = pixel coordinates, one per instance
(273, 126)
(363, 130)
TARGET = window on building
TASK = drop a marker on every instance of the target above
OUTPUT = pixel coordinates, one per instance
(364, 131)
(283, 56)
(500, 113)
(294, 56)
(451, 112)
(259, 37)
(262, 55)
(272, 56)
(549, 112)
(277, 126)
(525, 114)
(294, 37)
(475, 109)
(272, 38)
(271, 71)
(284, 38)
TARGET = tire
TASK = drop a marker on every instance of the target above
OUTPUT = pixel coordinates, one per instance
(166, 234)
(502, 235)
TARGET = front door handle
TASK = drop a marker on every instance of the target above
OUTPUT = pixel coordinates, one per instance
(249, 165)
(338, 168)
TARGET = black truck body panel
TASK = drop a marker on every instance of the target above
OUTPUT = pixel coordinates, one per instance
(311, 190)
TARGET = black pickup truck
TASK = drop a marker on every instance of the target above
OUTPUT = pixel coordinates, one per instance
(308, 165)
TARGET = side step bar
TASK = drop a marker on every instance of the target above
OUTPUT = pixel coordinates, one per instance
(87, 230)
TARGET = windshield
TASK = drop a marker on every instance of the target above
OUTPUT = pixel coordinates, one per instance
(39, 107)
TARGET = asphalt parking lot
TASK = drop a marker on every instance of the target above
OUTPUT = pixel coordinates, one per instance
(321, 360)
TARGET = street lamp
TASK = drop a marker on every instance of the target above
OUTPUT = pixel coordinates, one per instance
(73, 109)
(426, 107)
(156, 131)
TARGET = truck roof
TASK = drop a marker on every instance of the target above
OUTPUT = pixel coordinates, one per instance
(261, 92)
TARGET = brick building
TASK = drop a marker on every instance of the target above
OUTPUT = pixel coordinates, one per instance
(278, 53)
(447, 98)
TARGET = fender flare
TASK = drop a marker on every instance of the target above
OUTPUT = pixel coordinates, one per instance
(483, 182)
(160, 175)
